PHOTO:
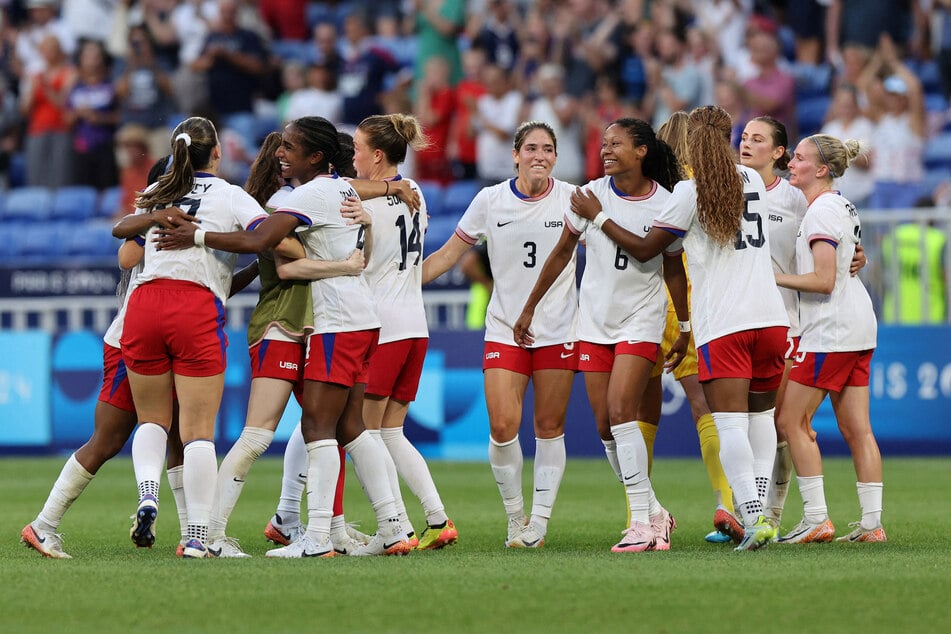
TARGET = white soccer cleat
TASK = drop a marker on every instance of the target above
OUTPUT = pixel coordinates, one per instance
(344, 544)
(283, 534)
(226, 548)
(806, 532)
(303, 547)
(530, 536)
(46, 543)
(516, 525)
(390, 539)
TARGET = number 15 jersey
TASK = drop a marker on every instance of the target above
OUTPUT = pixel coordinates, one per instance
(520, 233)
(734, 288)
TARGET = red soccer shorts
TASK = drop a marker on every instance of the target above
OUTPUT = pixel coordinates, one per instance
(395, 369)
(528, 360)
(832, 370)
(342, 358)
(177, 326)
(115, 382)
(276, 359)
(792, 348)
(755, 354)
(599, 357)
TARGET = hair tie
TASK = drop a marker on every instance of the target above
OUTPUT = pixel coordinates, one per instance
(823, 156)
(184, 136)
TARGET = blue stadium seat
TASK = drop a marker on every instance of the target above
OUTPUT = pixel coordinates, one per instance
(17, 176)
(92, 238)
(810, 113)
(433, 193)
(109, 202)
(458, 195)
(935, 102)
(74, 203)
(812, 80)
(30, 204)
(938, 152)
(439, 230)
(929, 74)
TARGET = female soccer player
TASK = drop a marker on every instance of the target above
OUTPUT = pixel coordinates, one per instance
(622, 310)
(521, 220)
(838, 338)
(739, 320)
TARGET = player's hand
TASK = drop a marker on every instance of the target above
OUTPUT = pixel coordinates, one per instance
(354, 211)
(178, 232)
(402, 190)
(523, 329)
(355, 264)
(677, 352)
(170, 216)
(585, 203)
(858, 261)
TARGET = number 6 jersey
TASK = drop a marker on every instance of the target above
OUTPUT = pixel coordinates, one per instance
(734, 288)
(394, 272)
(520, 233)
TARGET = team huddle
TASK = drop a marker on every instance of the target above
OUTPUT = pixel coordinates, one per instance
(770, 320)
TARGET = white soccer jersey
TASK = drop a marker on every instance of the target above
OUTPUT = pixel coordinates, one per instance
(114, 331)
(733, 286)
(395, 271)
(787, 206)
(220, 207)
(343, 303)
(843, 321)
(621, 299)
(520, 233)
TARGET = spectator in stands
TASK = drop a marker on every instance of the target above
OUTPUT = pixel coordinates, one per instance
(674, 83)
(864, 21)
(771, 91)
(462, 135)
(326, 46)
(92, 110)
(588, 37)
(156, 17)
(435, 107)
(43, 21)
(135, 160)
(9, 130)
(319, 95)
(855, 58)
(495, 122)
(896, 105)
(729, 95)
(561, 111)
(845, 121)
(497, 33)
(235, 60)
(293, 80)
(438, 23)
(286, 19)
(192, 21)
(807, 21)
(366, 68)
(600, 111)
(43, 105)
(89, 19)
(144, 89)
(914, 256)
(636, 54)
(725, 21)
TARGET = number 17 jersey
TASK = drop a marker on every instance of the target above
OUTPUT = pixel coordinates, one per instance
(520, 233)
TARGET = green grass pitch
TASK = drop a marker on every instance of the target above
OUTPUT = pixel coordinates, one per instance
(573, 584)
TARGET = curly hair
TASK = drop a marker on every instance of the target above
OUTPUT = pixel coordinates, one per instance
(660, 163)
(265, 176)
(719, 184)
(192, 142)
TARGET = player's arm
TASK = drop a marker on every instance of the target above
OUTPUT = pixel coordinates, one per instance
(130, 254)
(307, 269)
(444, 258)
(265, 235)
(243, 277)
(138, 224)
(858, 261)
(374, 189)
(586, 204)
(822, 279)
(675, 276)
(555, 263)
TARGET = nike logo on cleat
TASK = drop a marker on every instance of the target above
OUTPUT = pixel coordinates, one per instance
(38, 538)
(307, 554)
(388, 546)
(214, 553)
(238, 481)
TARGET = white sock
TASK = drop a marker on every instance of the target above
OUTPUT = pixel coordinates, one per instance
(736, 456)
(779, 482)
(369, 457)
(610, 450)
(763, 443)
(549, 469)
(232, 473)
(870, 499)
(393, 479)
(323, 467)
(812, 490)
(413, 469)
(148, 457)
(632, 459)
(294, 480)
(199, 474)
(70, 484)
(506, 462)
(176, 482)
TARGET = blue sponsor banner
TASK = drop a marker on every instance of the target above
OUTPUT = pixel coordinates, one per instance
(48, 391)
(25, 389)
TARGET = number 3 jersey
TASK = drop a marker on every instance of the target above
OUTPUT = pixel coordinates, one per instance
(343, 303)
(520, 233)
(394, 272)
(843, 321)
(734, 288)
(621, 299)
(218, 206)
